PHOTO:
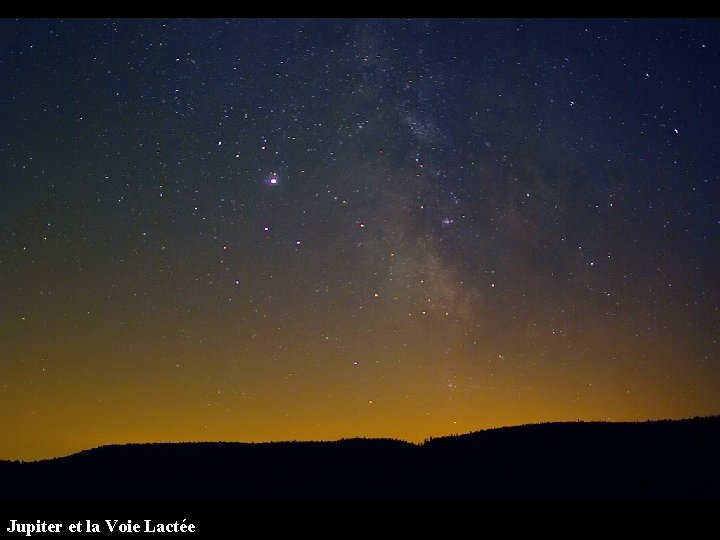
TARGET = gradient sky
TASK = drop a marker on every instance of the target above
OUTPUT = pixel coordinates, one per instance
(262, 230)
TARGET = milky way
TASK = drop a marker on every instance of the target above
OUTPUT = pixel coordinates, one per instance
(293, 229)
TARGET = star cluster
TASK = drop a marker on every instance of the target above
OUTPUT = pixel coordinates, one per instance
(312, 229)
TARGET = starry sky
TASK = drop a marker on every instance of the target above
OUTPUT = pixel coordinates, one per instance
(256, 230)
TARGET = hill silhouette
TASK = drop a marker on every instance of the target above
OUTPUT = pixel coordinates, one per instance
(666, 459)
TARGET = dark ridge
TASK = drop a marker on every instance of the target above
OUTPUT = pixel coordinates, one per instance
(669, 459)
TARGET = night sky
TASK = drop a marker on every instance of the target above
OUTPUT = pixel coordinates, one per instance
(257, 230)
